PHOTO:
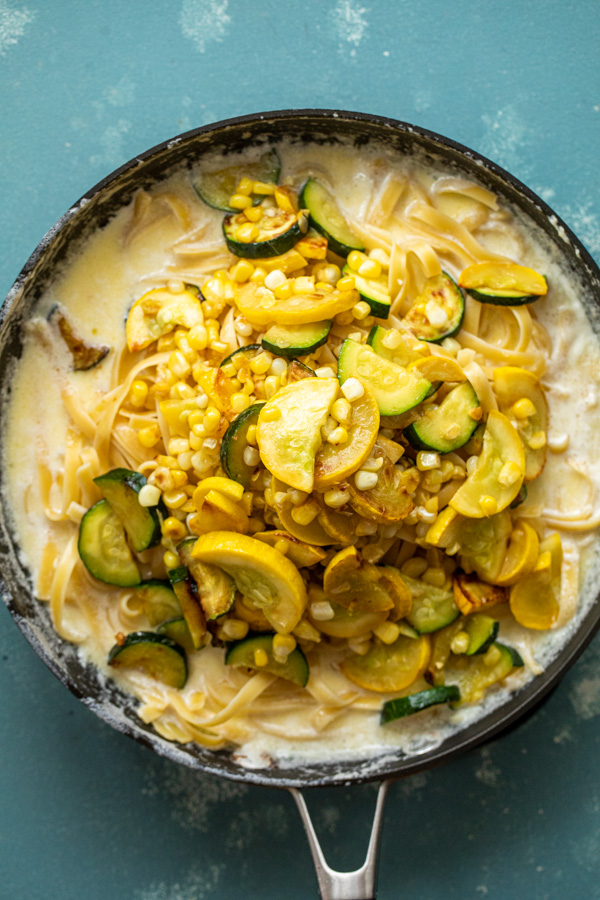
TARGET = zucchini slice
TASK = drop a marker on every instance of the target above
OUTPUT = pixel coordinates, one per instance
(216, 188)
(275, 234)
(297, 370)
(156, 655)
(216, 588)
(103, 548)
(186, 592)
(84, 356)
(243, 653)
(482, 631)
(374, 291)
(120, 487)
(290, 341)
(503, 283)
(406, 706)
(249, 351)
(389, 667)
(396, 390)
(448, 426)
(177, 629)
(438, 311)
(432, 608)
(409, 348)
(159, 600)
(234, 443)
(473, 675)
(326, 218)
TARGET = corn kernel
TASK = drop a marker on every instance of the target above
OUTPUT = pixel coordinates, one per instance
(346, 283)
(434, 575)
(240, 201)
(509, 474)
(304, 284)
(149, 437)
(235, 629)
(138, 393)
(284, 291)
(339, 435)
(352, 389)
(245, 186)
(414, 567)
(149, 495)
(306, 513)
(558, 443)
(272, 383)
(524, 408)
(170, 559)
(387, 632)
(381, 257)
(275, 278)
(239, 402)
(259, 274)
(307, 632)
(251, 456)
(365, 481)
(263, 188)
(460, 642)
(361, 310)
(537, 440)
(198, 337)
(284, 199)
(427, 459)
(342, 411)
(261, 363)
(254, 213)
(260, 657)
(492, 656)
(356, 259)
(489, 505)
(175, 499)
(270, 415)
(242, 271)
(370, 268)
(335, 498)
(179, 365)
(247, 233)
(325, 372)
(322, 611)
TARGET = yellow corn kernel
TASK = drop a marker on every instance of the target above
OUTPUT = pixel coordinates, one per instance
(342, 411)
(339, 435)
(235, 629)
(284, 199)
(171, 560)
(212, 417)
(361, 310)
(489, 505)
(370, 268)
(166, 343)
(324, 288)
(492, 656)
(225, 486)
(264, 188)
(304, 284)
(198, 337)
(414, 567)
(173, 528)
(270, 415)
(284, 291)
(240, 201)
(251, 435)
(261, 363)
(175, 499)
(460, 642)
(307, 632)
(242, 271)
(149, 437)
(259, 274)
(388, 632)
(253, 213)
(239, 402)
(260, 657)
(214, 289)
(287, 641)
(524, 408)
(272, 384)
(509, 474)
(306, 513)
(138, 393)
(346, 283)
(356, 259)
(245, 186)
(537, 440)
(435, 576)
(247, 233)
(179, 365)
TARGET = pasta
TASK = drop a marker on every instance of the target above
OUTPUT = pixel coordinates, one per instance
(393, 521)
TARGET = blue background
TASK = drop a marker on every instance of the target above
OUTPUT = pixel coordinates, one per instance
(84, 87)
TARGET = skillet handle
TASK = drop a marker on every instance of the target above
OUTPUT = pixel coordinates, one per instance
(360, 884)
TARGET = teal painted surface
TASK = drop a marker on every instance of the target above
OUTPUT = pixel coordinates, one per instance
(84, 87)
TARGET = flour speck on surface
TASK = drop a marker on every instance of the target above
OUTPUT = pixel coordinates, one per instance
(487, 773)
(585, 223)
(111, 144)
(203, 21)
(585, 693)
(350, 21)
(199, 883)
(12, 25)
(505, 138)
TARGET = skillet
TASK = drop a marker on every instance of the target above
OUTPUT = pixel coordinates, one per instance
(104, 698)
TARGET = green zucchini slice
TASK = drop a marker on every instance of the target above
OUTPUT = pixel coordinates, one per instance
(395, 389)
(520, 498)
(277, 233)
(290, 341)
(408, 350)
(517, 659)
(482, 631)
(156, 655)
(502, 298)
(442, 292)
(120, 487)
(448, 426)
(433, 608)
(413, 703)
(103, 547)
(187, 594)
(234, 443)
(473, 675)
(216, 589)
(326, 218)
(241, 653)
(296, 371)
(159, 600)
(216, 188)
(374, 291)
(177, 629)
(249, 351)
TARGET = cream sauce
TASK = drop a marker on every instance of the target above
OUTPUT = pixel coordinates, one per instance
(97, 288)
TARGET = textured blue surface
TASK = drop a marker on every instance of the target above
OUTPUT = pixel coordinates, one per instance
(84, 87)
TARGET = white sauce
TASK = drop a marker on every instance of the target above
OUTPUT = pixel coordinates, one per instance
(97, 289)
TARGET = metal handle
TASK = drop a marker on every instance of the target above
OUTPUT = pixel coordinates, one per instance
(360, 884)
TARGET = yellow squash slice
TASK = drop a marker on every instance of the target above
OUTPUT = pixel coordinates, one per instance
(511, 385)
(348, 623)
(335, 463)
(521, 555)
(356, 584)
(340, 526)
(289, 429)
(534, 600)
(260, 305)
(482, 542)
(499, 472)
(218, 513)
(387, 668)
(300, 553)
(157, 313)
(505, 277)
(399, 590)
(471, 595)
(263, 574)
(391, 500)
(438, 368)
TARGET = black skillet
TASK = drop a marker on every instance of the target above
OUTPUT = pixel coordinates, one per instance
(93, 211)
